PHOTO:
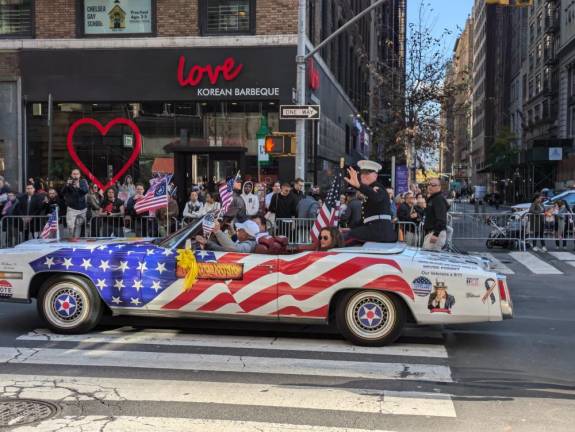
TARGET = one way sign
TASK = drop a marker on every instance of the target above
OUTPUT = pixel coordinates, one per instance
(294, 112)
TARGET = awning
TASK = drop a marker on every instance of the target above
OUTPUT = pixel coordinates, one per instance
(163, 166)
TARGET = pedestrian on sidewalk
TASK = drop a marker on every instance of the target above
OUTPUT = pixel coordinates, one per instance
(435, 224)
(74, 194)
(537, 222)
(560, 211)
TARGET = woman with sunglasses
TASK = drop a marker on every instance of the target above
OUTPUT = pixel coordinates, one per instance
(329, 238)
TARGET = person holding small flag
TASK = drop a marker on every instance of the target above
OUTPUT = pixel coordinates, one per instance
(377, 226)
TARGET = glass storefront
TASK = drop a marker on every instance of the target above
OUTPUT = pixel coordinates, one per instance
(206, 125)
(9, 161)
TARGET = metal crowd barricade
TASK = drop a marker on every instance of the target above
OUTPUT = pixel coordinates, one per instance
(409, 233)
(18, 229)
(489, 229)
(298, 231)
(557, 228)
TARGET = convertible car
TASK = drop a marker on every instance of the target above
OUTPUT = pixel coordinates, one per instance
(369, 292)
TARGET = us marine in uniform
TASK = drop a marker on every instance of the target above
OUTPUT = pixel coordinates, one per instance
(377, 226)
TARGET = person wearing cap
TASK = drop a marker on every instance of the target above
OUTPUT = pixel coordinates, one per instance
(377, 224)
(246, 243)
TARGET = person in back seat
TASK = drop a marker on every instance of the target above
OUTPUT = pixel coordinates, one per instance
(329, 238)
(246, 243)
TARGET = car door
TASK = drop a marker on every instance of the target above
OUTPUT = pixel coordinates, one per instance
(227, 283)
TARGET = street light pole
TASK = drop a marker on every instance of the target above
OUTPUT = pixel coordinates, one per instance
(300, 155)
(301, 58)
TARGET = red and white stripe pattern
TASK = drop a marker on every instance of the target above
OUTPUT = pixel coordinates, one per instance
(329, 212)
(155, 198)
(299, 285)
(51, 228)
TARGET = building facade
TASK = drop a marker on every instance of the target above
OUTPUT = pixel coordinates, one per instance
(202, 80)
(455, 160)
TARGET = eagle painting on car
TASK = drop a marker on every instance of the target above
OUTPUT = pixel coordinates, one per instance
(369, 292)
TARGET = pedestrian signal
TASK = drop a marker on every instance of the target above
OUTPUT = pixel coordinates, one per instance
(274, 144)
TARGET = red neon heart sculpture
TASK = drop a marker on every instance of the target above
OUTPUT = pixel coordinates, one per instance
(104, 130)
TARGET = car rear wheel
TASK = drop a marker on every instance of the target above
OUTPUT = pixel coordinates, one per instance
(370, 318)
(69, 304)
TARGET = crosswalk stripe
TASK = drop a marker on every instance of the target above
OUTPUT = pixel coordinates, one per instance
(498, 265)
(176, 338)
(563, 256)
(571, 263)
(226, 363)
(167, 424)
(268, 395)
(534, 264)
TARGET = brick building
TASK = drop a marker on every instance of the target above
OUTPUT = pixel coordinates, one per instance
(201, 79)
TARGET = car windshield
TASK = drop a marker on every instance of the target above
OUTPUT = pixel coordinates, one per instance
(180, 236)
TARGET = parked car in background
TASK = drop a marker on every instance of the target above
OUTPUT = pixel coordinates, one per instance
(567, 196)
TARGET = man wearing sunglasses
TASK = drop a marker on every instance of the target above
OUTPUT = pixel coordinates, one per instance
(435, 225)
(377, 226)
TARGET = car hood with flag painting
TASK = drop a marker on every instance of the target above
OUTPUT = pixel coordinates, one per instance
(164, 278)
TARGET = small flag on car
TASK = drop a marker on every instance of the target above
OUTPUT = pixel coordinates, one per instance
(51, 228)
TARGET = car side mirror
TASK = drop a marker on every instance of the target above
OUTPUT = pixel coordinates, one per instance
(188, 244)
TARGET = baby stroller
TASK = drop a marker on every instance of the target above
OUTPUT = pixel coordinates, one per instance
(507, 236)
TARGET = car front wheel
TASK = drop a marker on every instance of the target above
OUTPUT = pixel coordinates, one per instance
(69, 304)
(370, 318)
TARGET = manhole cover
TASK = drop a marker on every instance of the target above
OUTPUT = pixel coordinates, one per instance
(23, 411)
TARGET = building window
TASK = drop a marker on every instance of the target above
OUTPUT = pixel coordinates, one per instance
(539, 23)
(117, 18)
(538, 87)
(530, 89)
(539, 52)
(572, 81)
(16, 18)
(531, 32)
(227, 17)
(531, 62)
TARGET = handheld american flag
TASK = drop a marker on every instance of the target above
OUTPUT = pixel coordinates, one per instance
(329, 212)
(208, 224)
(155, 198)
(51, 228)
(226, 191)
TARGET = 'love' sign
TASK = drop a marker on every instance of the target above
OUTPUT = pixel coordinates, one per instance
(228, 70)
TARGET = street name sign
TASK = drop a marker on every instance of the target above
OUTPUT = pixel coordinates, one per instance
(295, 112)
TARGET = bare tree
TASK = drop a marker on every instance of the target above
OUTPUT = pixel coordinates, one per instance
(408, 122)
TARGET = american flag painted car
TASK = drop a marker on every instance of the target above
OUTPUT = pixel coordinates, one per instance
(368, 291)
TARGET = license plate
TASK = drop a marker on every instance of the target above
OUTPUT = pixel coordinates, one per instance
(5, 292)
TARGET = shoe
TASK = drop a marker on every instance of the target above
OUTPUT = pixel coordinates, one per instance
(543, 249)
(535, 249)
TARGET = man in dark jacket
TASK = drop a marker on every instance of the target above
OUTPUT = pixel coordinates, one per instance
(284, 205)
(435, 224)
(74, 194)
(52, 201)
(30, 205)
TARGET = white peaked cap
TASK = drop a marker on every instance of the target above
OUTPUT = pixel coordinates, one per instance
(369, 165)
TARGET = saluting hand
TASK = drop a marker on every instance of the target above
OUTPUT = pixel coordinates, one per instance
(353, 179)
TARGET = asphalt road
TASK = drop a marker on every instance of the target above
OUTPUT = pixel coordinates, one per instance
(140, 374)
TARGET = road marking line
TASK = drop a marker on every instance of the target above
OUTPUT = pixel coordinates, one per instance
(499, 266)
(563, 256)
(176, 338)
(571, 263)
(226, 363)
(372, 401)
(167, 424)
(534, 264)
